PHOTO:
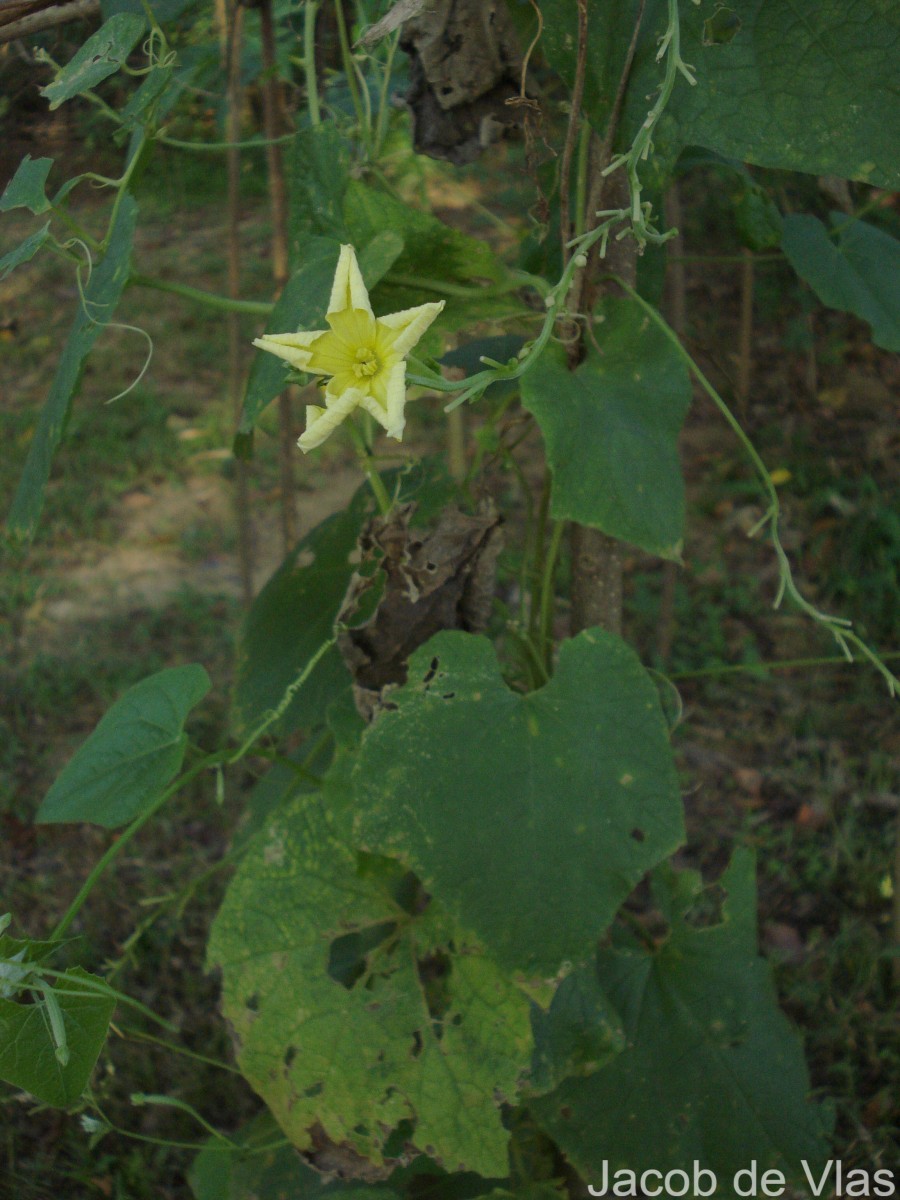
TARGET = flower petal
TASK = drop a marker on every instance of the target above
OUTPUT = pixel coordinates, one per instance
(354, 328)
(388, 399)
(292, 347)
(341, 382)
(329, 355)
(320, 422)
(348, 289)
(400, 331)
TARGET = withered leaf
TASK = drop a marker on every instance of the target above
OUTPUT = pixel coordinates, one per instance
(442, 579)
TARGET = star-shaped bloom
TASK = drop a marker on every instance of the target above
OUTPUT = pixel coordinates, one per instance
(362, 354)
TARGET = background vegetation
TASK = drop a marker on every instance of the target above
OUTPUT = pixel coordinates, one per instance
(135, 568)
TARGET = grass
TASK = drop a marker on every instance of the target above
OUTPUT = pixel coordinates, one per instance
(58, 676)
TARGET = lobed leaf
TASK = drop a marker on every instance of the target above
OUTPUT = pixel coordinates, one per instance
(354, 1012)
(494, 798)
(318, 175)
(578, 1034)
(803, 86)
(712, 1070)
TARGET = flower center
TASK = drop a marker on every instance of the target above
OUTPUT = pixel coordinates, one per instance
(366, 364)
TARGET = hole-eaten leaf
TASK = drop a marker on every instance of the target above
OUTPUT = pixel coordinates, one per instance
(434, 975)
(721, 28)
(707, 909)
(348, 955)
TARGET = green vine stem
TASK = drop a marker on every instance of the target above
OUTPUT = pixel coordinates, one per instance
(670, 49)
(310, 12)
(350, 67)
(839, 628)
(272, 715)
(555, 301)
(367, 462)
(217, 147)
(777, 664)
(139, 1035)
(139, 1099)
(256, 308)
(88, 986)
(116, 847)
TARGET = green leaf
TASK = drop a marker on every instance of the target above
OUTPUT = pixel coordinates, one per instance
(803, 86)
(354, 1011)
(575, 782)
(712, 1071)
(855, 269)
(101, 295)
(132, 754)
(261, 1170)
(27, 188)
(759, 223)
(28, 1050)
(611, 429)
(24, 251)
(163, 10)
(292, 617)
(17, 958)
(279, 784)
(318, 176)
(437, 263)
(301, 305)
(578, 1034)
(430, 245)
(145, 102)
(378, 256)
(102, 55)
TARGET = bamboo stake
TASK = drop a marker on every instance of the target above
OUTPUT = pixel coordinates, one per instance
(272, 124)
(677, 297)
(745, 344)
(233, 33)
(597, 559)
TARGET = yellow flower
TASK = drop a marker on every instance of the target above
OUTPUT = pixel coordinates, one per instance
(363, 355)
